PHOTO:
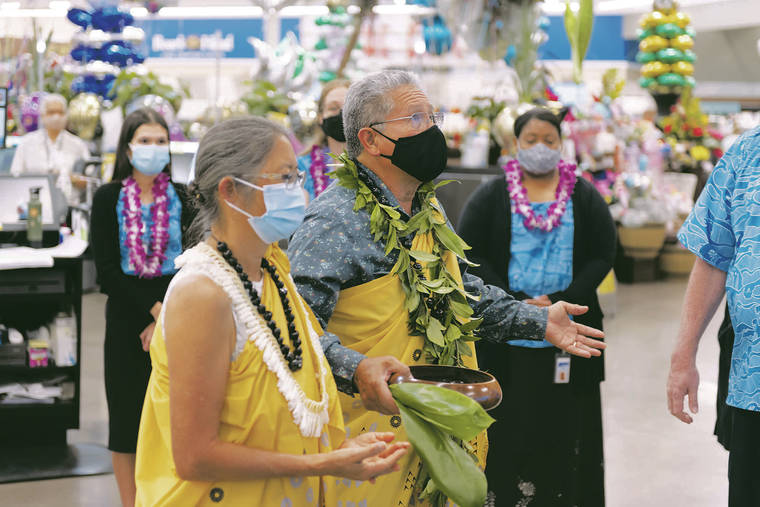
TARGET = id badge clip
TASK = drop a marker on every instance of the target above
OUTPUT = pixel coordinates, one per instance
(562, 368)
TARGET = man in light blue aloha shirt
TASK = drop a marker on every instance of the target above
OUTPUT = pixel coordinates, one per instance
(723, 231)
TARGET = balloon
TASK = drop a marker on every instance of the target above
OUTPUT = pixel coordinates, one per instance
(83, 53)
(84, 112)
(668, 30)
(671, 79)
(503, 127)
(690, 32)
(437, 36)
(646, 82)
(118, 53)
(79, 17)
(682, 19)
(30, 111)
(683, 68)
(653, 19)
(689, 56)
(654, 43)
(111, 19)
(690, 81)
(670, 55)
(654, 69)
(643, 34)
(510, 56)
(543, 23)
(644, 57)
(100, 68)
(133, 34)
(155, 102)
(682, 42)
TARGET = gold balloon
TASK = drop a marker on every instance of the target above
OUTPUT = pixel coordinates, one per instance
(84, 112)
(682, 19)
(683, 68)
(654, 69)
(653, 43)
(682, 42)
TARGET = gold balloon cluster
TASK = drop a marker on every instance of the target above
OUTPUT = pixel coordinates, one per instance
(84, 112)
(665, 49)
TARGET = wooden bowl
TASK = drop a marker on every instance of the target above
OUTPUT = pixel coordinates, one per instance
(477, 385)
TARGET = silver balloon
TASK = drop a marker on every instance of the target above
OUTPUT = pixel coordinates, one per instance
(100, 69)
(155, 102)
(133, 34)
(288, 66)
(303, 117)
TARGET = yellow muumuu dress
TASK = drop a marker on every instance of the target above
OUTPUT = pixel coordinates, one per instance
(371, 318)
(266, 405)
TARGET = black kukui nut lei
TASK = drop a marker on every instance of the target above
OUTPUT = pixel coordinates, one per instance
(293, 357)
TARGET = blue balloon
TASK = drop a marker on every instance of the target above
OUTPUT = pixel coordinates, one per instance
(510, 56)
(83, 53)
(111, 19)
(79, 17)
(437, 36)
(119, 53)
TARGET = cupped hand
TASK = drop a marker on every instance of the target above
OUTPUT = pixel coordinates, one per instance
(371, 378)
(367, 456)
(570, 336)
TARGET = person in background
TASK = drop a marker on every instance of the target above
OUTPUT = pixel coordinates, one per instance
(241, 406)
(543, 235)
(138, 222)
(52, 150)
(722, 232)
(330, 139)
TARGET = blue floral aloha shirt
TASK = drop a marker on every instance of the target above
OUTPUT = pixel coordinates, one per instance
(724, 231)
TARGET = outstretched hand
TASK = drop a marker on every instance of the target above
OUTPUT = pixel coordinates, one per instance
(570, 336)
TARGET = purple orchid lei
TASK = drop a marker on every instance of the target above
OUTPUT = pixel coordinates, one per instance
(147, 266)
(318, 169)
(521, 204)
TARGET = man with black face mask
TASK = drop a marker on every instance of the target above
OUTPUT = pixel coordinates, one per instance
(358, 261)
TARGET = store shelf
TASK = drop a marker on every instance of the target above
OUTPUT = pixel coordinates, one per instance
(20, 372)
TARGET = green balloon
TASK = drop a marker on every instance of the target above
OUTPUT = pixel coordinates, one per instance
(689, 56)
(670, 55)
(669, 30)
(671, 79)
(690, 81)
(690, 32)
(645, 57)
(643, 34)
(646, 82)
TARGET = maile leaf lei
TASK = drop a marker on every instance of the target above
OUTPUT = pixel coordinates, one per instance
(438, 306)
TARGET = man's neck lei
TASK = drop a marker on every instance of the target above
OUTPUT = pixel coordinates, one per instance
(437, 305)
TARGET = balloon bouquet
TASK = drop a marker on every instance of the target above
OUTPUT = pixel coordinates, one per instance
(665, 53)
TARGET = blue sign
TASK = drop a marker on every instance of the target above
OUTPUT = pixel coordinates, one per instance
(607, 41)
(205, 38)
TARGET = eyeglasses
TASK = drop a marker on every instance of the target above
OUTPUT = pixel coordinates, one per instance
(418, 120)
(291, 180)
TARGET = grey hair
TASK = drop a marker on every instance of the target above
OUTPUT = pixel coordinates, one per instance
(51, 98)
(237, 148)
(369, 100)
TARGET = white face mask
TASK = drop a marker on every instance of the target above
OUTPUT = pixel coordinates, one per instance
(539, 159)
(285, 211)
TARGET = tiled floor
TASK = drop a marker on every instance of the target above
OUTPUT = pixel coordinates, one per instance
(652, 459)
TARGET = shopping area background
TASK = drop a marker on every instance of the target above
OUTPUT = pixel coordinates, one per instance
(651, 104)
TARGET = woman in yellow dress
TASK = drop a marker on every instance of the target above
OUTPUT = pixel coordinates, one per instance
(241, 407)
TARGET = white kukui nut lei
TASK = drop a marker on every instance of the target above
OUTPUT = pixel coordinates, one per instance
(310, 416)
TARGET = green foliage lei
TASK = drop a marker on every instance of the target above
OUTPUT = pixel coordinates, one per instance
(437, 305)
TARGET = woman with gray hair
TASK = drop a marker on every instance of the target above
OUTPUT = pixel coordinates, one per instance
(261, 424)
(51, 149)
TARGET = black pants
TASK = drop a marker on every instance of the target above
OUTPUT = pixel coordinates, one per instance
(743, 474)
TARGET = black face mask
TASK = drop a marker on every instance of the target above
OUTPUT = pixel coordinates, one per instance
(423, 155)
(333, 127)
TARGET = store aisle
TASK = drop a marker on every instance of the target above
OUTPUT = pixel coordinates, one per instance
(652, 459)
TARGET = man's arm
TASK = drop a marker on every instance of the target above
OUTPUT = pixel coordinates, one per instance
(707, 285)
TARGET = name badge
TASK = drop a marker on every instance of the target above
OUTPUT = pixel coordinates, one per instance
(562, 369)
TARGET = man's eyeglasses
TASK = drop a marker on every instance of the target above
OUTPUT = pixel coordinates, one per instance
(418, 120)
